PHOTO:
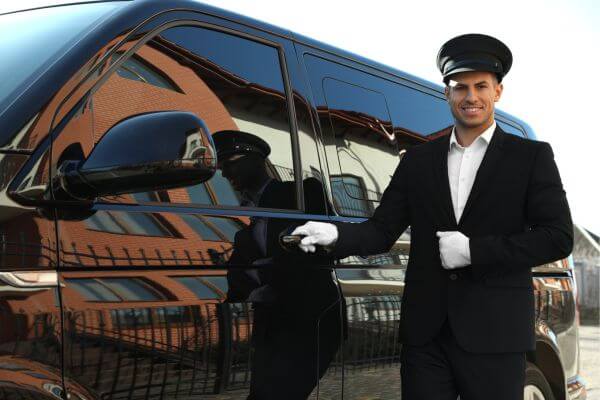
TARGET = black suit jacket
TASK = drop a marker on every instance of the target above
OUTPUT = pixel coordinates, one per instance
(516, 217)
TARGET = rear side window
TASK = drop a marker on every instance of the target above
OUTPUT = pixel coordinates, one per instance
(363, 140)
(368, 122)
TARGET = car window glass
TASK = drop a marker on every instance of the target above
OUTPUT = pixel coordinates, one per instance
(233, 84)
(362, 133)
(368, 121)
(418, 113)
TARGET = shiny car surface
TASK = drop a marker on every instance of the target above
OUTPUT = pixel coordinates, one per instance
(133, 264)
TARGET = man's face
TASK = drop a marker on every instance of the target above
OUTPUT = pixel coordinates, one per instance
(471, 96)
(241, 170)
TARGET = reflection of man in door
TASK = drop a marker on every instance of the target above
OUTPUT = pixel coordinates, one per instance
(296, 326)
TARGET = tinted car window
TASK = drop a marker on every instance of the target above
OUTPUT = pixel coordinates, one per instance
(367, 122)
(362, 133)
(418, 113)
(233, 84)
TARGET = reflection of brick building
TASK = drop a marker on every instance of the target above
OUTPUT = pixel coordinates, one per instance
(171, 327)
(174, 87)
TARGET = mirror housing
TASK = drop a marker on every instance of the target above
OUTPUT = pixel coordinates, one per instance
(146, 152)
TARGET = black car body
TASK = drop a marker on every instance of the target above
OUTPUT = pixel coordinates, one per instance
(117, 270)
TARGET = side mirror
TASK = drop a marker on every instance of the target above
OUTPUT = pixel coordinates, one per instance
(146, 152)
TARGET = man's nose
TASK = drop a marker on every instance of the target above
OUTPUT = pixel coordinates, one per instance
(470, 95)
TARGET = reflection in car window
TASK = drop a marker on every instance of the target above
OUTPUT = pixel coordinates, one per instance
(198, 286)
(220, 282)
(349, 194)
(93, 290)
(132, 223)
(199, 194)
(131, 289)
(138, 70)
(418, 113)
(367, 121)
(174, 315)
(223, 191)
(115, 289)
(201, 228)
(364, 140)
(225, 225)
(233, 84)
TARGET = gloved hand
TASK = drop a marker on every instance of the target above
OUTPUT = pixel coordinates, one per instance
(316, 233)
(454, 249)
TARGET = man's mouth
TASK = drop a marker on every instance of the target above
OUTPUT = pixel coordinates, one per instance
(471, 110)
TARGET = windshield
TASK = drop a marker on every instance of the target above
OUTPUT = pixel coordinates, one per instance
(32, 40)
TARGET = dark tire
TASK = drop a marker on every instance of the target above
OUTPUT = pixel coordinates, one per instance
(536, 385)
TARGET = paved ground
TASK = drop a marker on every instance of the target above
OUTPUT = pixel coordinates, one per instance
(589, 342)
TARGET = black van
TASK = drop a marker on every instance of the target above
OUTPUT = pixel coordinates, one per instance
(135, 264)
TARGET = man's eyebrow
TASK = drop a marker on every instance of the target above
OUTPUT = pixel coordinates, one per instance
(453, 83)
(460, 84)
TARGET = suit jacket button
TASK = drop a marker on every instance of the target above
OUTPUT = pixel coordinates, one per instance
(453, 277)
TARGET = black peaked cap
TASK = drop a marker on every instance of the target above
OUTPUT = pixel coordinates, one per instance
(229, 142)
(474, 52)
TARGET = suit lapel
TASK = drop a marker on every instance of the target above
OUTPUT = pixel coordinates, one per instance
(487, 169)
(440, 172)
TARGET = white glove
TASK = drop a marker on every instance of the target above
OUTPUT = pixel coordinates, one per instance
(316, 233)
(454, 249)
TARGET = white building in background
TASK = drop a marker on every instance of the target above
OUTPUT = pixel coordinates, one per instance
(586, 258)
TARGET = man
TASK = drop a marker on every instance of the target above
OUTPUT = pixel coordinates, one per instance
(484, 208)
(296, 332)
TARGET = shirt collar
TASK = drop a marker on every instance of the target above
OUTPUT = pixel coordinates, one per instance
(486, 136)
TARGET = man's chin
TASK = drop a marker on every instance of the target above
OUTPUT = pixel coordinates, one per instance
(473, 124)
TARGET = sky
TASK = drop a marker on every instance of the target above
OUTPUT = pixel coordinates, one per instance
(553, 84)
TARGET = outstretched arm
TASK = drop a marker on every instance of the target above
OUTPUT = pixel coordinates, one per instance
(373, 236)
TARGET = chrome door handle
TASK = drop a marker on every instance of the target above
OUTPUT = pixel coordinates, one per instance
(30, 279)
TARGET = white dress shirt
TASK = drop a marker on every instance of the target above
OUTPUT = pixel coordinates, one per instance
(463, 163)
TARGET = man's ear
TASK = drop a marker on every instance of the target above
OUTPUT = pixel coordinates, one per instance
(498, 89)
(447, 92)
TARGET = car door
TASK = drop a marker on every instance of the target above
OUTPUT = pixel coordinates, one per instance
(367, 121)
(185, 292)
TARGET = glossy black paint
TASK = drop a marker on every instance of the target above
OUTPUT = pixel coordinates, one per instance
(147, 282)
(178, 151)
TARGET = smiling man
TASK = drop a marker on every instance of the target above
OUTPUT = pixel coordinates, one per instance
(484, 208)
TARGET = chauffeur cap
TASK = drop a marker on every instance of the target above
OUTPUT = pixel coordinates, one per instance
(474, 52)
(229, 142)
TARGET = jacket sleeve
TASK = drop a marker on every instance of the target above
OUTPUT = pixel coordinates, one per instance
(378, 233)
(549, 230)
